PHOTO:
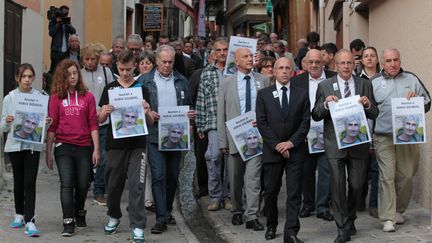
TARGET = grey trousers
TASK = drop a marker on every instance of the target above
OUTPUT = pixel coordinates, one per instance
(247, 173)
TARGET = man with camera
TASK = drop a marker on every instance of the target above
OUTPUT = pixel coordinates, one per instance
(59, 29)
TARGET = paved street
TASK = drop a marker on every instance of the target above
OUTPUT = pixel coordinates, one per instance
(49, 218)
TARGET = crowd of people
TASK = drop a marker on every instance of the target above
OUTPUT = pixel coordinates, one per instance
(285, 89)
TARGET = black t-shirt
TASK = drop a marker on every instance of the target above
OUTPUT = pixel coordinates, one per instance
(122, 143)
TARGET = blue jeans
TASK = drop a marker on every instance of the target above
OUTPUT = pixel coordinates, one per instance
(323, 193)
(74, 165)
(165, 168)
(99, 181)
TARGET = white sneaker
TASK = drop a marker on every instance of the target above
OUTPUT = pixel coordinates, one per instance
(389, 226)
(399, 219)
(31, 230)
(18, 221)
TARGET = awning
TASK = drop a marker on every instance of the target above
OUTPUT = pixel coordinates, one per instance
(185, 8)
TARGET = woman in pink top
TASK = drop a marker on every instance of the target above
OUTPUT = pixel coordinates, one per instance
(75, 131)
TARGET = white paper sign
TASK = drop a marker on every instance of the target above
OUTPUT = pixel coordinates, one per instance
(408, 120)
(246, 137)
(173, 128)
(349, 121)
(234, 44)
(315, 137)
(128, 118)
(30, 111)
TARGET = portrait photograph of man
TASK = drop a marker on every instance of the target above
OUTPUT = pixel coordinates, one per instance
(410, 131)
(354, 132)
(130, 123)
(316, 139)
(29, 129)
(252, 143)
(174, 137)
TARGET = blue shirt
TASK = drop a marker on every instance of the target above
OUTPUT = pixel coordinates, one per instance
(241, 84)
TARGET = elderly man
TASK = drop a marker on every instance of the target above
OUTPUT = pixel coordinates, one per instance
(167, 88)
(128, 125)
(27, 129)
(206, 106)
(274, 37)
(409, 130)
(134, 44)
(174, 138)
(117, 45)
(309, 81)
(237, 95)
(351, 134)
(73, 52)
(352, 159)
(397, 163)
(283, 117)
(252, 145)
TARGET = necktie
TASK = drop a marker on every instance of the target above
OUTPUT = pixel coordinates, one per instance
(248, 94)
(347, 91)
(284, 101)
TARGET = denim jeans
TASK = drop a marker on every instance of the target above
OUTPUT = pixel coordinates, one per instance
(323, 193)
(74, 165)
(165, 168)
(99, 181)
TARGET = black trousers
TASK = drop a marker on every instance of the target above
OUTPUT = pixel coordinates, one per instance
(345, 206)
(309, 182)
(201, 165)
(273, 173)
(25, 165)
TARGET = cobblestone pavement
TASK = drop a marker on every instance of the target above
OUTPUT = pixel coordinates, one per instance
(49, 218)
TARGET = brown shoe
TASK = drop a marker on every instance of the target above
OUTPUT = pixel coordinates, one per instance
(213, 206)
(227, 204)
(100, 200)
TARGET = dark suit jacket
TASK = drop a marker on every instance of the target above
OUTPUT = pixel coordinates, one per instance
(302, 80)
(363, 87)
(275, 127)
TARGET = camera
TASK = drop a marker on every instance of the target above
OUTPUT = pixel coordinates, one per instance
(53, 13)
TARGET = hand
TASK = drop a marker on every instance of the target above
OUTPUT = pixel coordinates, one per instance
(191, 114)
(331, 98)
(254, 123)
(364, 101)
(225, 151)
(284, 146)
(107, 109)
(95, 158)
(48, 120)
(410, 95)
(49, 160)
(9, 119)
(201, 135)
(286, 154)
(146, 107)
(155, 115)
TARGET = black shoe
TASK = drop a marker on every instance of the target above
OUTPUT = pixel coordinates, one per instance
(80, 218)
(326, 215)
(305, 212)
(151, 208)
(68, 227)
(292, 239)
(270, 233)
(362, 206)
(159, 228)
(171, 220)
(237, 219)
(254, 224)
(343, 236)
(350, 228)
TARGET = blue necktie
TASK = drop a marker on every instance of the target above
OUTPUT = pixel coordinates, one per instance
(248, 94)
(284, 101)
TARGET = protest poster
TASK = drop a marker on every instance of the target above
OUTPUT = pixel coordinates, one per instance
(128, 118)
(315, 137)
(234, 44)
(408, 120)
(173, 128)
(246, 137)
(349, 121)
(30, 111)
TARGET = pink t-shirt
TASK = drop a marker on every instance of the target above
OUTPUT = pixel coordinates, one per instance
(74, 118)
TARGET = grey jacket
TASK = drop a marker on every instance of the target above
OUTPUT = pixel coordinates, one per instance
(385, 88)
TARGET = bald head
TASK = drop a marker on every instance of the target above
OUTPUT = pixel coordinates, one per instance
(282, 70)
(315, 63)
(243, 60)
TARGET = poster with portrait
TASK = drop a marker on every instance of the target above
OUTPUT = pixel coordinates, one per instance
(173, 128)
(128, 117)
(315, 137)
(30, 111)
(349, 121)
(246, 137)
(234, 44)
(408, 120)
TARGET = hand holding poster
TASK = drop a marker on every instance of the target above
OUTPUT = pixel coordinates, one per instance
(128, 118)
(408, 120)
(234, 44)
(315, 137)
(29, 117)
(173, 128)
(246, 137)
(349, 121)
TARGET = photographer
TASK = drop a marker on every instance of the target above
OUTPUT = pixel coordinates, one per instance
(59, 29)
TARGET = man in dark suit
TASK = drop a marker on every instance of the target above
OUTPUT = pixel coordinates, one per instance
(352, 159)
(309, 81)
(283, 118)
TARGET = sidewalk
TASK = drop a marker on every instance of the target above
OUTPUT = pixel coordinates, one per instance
(416, 229)
(49, 217)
